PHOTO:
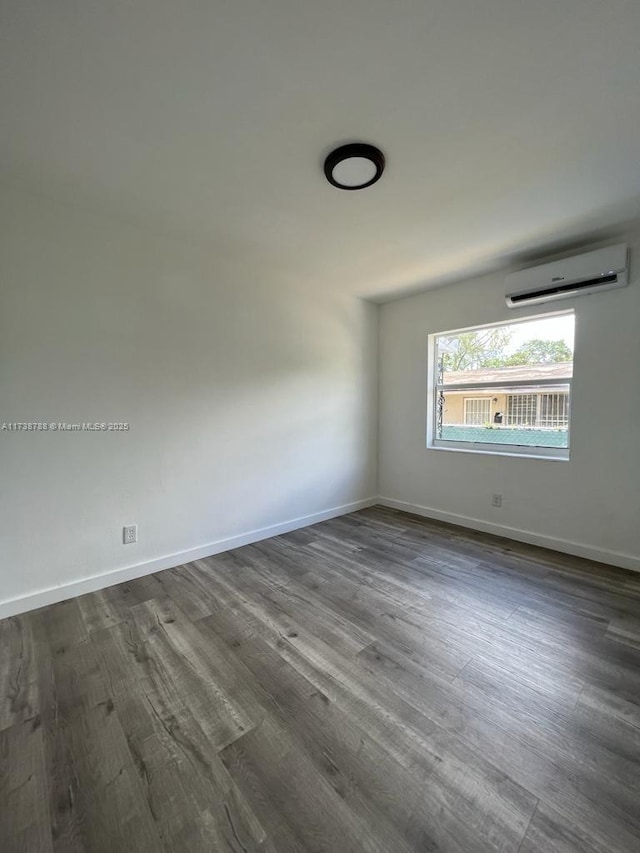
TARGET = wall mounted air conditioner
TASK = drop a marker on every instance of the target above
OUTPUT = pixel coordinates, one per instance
(602, 269)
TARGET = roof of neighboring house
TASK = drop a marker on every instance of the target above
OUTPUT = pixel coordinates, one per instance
(523, 372)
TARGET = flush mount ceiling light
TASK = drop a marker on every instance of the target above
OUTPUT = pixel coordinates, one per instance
(354, 166)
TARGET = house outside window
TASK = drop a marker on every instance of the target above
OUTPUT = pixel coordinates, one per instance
(503, 388)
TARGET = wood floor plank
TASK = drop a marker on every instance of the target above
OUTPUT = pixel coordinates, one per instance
(290, 792)
(194, 801)
(18, 694)
(109, 606)
(291, 701)
(207, 682)
(25, 826)
(402, 729)
(584, 739)
(551, 832)
(610, 704)
(79, 681)
(58, 626)
(375, 682)
(370, 778)
(624, 628)
(295, 602)
(97, 803)
(188, 589)
(524, 738)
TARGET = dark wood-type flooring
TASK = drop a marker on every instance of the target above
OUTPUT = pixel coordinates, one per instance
(373, 683)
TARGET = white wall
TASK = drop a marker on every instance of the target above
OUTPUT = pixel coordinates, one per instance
(251, 399)
(588, 506)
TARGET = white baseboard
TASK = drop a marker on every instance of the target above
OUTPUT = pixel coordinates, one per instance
(600, 555)
(51, 595)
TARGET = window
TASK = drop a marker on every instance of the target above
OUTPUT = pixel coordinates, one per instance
(477, 411)
(522, 409)
(504, 388)
(538, 410)
(554, 410)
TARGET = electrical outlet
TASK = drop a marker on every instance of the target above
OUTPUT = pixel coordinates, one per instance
(129, 534)
(496, 500)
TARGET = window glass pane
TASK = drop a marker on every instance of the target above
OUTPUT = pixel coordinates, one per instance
(526, 417)
(508, 385)
(532, 349)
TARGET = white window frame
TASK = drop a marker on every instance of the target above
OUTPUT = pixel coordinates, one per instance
(494, 449)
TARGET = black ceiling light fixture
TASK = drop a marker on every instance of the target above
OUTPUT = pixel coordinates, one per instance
(354, 166)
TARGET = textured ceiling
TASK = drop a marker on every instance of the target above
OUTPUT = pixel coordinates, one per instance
(508, 125)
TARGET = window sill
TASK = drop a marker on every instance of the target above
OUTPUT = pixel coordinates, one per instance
(546, 454)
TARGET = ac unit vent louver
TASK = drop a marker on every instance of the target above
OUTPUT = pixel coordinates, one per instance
(602, 269)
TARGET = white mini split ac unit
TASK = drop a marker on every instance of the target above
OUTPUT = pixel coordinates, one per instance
(602, 269)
